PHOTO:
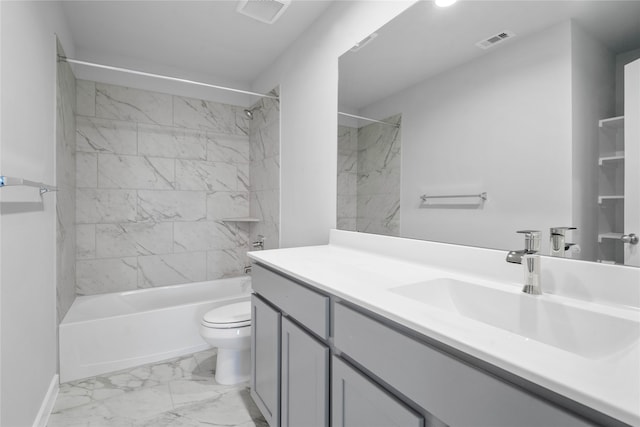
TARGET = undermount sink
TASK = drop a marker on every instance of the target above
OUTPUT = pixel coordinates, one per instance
(590, 333)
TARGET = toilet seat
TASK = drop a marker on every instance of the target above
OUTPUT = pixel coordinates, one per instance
(236, 315)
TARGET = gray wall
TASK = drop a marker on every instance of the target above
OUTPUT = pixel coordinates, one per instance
(28, 318)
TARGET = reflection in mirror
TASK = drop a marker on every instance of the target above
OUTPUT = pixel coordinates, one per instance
(526, 101)
(369, 177)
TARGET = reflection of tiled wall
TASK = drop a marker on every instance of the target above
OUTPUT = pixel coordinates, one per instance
(66, 182)
(265, 171)
(378, 187)
(347, 177)
(155, 175)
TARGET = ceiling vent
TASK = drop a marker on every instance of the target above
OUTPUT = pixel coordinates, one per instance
(362, 43)
(267, 11)
(496, 39)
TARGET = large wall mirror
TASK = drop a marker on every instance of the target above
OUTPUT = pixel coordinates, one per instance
(467, 123)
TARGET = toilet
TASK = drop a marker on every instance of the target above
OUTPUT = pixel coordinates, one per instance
(228, 328)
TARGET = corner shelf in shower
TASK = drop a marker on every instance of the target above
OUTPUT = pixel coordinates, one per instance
(244, 219)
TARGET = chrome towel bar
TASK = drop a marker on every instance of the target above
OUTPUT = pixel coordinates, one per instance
(6, 181)
(482, 196)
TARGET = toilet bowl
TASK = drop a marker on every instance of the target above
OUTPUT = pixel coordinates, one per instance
(229, 329)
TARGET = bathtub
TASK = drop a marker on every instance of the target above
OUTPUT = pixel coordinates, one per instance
(109, 332)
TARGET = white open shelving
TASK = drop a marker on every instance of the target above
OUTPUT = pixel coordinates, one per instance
(612, 123)
(611, 190)
(611, 160)
(602, 199)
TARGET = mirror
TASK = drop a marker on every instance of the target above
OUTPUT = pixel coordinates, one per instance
(511, 116)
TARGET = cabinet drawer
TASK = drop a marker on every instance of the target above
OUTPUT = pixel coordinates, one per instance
(438, 382)
(308, 307)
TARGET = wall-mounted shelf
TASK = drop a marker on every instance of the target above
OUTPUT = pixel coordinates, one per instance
(602, 199)
(613, 159)
(612, 123)
(611, 163)
(606, 261)
(243, 219)
(610, 235)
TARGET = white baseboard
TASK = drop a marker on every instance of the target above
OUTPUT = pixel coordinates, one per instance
(48, 403)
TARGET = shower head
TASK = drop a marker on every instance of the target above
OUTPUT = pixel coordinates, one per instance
(249, 113)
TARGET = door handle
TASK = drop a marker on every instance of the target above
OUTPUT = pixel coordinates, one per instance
(630, 238)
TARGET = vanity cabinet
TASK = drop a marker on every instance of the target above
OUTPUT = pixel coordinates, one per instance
(265, 359)
(291, 387)
(452, 391)
(357, 401)
(305, 378)
(382, 374)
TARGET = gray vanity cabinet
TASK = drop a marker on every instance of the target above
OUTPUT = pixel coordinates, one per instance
(305, 378)
(295, 347)
(381, 373)
(265, 359)
(453, 392)
(358, 402)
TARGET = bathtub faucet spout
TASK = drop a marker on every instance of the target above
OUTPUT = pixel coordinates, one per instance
(259, 244)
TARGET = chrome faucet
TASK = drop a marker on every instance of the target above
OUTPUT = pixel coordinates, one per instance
(558, 244)
(530, 259)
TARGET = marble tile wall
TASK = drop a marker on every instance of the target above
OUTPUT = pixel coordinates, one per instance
(66, 183)
(265, 171)
(347, 178)
(155, 175)
(378, 186)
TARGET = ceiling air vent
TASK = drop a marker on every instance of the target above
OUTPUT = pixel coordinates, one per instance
(267, 11)
(496, 39)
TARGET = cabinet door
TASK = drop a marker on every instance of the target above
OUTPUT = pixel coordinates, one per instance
(357, 402)
(265, 360)
(305, 378)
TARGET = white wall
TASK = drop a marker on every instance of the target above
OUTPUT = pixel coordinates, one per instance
(623, 59)
(28, 336)
(159, 85)
(515, 104)
(308, 77)
(592, 86)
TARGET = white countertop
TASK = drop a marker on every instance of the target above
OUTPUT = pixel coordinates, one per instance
(609, 384)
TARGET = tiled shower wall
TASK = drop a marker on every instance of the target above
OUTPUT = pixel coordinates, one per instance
(66, 183)
(369, 179)
(347, 178)
(156, 173)
(265, 171)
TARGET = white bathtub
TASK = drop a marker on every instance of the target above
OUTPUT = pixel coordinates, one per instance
(109, 332)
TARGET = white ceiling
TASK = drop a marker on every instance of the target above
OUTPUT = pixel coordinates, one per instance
(426, 40)
(200, 37)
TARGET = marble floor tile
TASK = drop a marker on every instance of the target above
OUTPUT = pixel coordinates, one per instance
(180, 392)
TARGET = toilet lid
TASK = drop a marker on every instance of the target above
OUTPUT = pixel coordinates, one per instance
(233, 315)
